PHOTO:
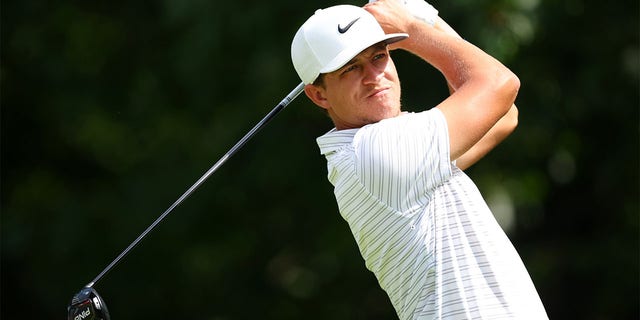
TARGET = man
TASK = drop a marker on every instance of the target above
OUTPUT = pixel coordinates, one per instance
(420, 223)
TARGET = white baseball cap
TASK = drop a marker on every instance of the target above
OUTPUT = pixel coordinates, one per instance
(332, 37)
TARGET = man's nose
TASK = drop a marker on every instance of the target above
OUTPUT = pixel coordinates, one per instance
(372, 73)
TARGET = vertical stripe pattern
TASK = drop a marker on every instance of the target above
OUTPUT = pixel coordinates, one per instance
(422, 226)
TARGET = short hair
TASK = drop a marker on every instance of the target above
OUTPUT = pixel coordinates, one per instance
(319, 81)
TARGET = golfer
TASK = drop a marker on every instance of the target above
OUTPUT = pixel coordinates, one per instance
(420, 223)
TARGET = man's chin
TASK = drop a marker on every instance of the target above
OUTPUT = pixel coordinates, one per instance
(387, 106)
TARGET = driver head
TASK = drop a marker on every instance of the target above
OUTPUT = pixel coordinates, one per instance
(87, 305)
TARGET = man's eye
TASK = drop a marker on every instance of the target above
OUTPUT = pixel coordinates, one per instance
(349, 68)
(379, 56)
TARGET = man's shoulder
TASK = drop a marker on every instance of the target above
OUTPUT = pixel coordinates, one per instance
(335, 139)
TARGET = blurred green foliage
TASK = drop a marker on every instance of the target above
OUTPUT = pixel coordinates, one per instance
(110, 110)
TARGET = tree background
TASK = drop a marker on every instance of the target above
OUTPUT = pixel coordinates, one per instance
(112, 109)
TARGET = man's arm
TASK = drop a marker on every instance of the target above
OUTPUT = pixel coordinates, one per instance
(497, 134)
(500, 131)
(484, 89)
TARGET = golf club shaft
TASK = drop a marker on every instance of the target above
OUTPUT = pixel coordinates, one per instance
(290, 97)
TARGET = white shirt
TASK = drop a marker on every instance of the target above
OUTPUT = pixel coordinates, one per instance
(421, 224)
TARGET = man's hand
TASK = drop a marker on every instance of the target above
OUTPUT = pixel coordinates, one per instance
(392, 15)
(396, 16)
(420, 9)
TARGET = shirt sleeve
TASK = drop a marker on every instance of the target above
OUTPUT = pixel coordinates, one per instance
(402, 159)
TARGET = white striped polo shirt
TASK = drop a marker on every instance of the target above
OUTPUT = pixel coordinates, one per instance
(421, 224)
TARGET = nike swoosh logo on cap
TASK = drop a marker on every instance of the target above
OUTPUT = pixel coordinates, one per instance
(345, 29)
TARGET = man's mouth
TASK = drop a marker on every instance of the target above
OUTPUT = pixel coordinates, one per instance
(378, 91)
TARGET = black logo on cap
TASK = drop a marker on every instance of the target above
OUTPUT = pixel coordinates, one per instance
(345, 29)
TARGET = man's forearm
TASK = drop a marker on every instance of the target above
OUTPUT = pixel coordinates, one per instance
(502, 129)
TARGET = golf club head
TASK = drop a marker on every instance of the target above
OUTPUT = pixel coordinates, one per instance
(87, 305)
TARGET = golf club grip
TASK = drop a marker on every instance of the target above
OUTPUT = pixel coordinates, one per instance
(290, 97)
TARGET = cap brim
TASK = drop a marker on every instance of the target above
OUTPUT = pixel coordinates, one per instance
(345, 56)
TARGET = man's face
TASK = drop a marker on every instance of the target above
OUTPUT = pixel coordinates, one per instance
(366, 90)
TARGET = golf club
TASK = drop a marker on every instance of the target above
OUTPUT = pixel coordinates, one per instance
(87, 304)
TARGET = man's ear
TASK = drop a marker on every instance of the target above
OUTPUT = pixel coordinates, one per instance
(317, 95)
